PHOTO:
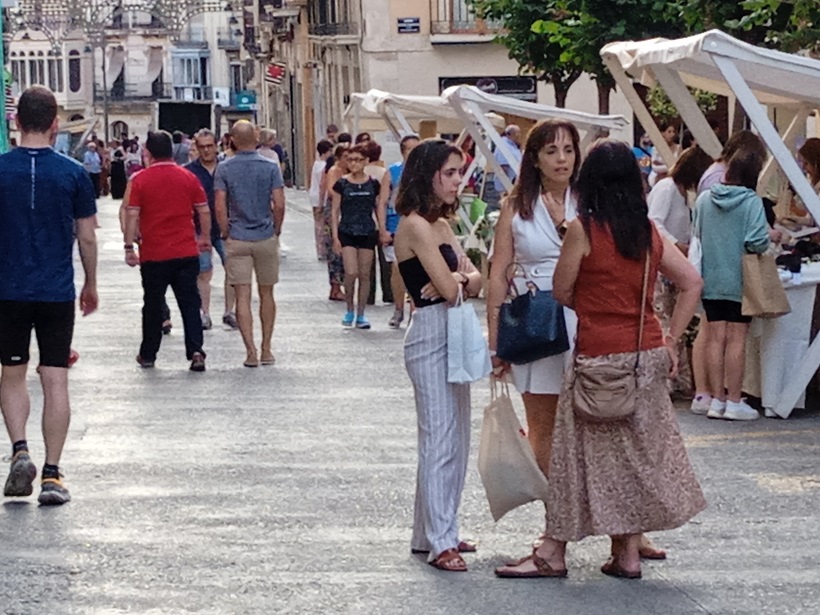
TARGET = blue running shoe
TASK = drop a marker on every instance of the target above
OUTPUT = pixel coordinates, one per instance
(362, 322)
(347, 321)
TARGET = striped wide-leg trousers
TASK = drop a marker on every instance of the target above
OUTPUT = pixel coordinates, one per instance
(443, 411)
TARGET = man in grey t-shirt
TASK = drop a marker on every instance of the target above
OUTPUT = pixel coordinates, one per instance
(250, 208)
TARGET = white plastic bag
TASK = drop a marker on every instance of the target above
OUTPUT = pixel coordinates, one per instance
(695, 253)
(468, 358)
(506, 462)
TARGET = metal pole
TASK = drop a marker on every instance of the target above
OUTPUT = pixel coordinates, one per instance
(4, 134)
(105, 90)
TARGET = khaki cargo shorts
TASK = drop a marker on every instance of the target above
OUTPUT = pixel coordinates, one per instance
(246, 257)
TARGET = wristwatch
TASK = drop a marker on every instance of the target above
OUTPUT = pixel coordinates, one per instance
(128, 246)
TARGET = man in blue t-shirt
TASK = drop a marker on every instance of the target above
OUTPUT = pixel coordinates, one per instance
(44, 198)
(392, 223)
(250, 209)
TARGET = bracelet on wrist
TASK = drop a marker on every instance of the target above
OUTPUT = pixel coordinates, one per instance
(128, 246)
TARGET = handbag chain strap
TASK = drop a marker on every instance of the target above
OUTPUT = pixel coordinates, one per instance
(644, 291)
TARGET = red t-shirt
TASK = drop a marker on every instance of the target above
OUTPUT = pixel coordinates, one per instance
(166, 195)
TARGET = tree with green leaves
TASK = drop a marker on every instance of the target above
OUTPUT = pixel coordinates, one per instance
(535, 53)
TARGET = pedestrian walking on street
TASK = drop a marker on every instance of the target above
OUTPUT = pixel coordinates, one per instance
(37, 230)
(434, 266)
(324, 149)
(336, 168)
(162, 202)
(631, 474)
(204, 168)
(92, 162)
(407, 144)
(250, 206)
(358, 200)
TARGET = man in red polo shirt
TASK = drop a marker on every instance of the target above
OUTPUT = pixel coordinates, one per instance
(161, 202)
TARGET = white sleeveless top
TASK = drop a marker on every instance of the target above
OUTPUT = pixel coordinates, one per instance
(537, 248)
(537, 244)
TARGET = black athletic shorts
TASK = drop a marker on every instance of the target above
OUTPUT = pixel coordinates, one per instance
(721, 310)
(361, 242)
(52, 322)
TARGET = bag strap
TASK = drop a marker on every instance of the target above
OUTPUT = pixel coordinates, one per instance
(644, 292)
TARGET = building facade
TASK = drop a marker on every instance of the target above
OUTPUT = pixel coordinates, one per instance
(332, 48)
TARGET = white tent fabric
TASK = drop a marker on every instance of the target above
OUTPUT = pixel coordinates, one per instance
(775, 77)
(463, 94)
(115, 62)
(716, 62)
(154, 55)
(402, 113)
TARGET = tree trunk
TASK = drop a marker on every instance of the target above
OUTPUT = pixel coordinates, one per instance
(561, 91)
(603, 97)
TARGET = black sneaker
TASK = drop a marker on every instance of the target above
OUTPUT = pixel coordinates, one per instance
(229, 319)
(21, 476)
(198, 362)
(53, 492)
(144, 363)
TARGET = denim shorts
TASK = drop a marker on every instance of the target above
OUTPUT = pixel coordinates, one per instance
(206, 260)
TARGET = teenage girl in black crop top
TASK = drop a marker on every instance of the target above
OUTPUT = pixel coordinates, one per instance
(433, 266)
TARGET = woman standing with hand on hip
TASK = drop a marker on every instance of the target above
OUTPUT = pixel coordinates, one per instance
(433, 267)
(630, 475)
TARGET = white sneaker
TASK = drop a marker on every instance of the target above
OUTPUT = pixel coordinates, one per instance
(700, 404)
(740, 411)
(716, 409)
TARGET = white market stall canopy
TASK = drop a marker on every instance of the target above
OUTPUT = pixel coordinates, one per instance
(716, 62)
(472, 105)
(401, 114)
(467, 110)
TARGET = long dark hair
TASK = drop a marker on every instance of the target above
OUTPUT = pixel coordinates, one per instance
(416, 188)
(610, 194)
(528, 186)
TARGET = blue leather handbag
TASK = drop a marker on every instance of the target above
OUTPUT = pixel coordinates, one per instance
(531, 326)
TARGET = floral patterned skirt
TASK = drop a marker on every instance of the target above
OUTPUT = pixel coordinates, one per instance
(666, 295)
(623, 477)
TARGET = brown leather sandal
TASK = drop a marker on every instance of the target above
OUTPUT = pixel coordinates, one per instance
(465, 546)
(613, 569)
(545, 570)
(449, 561)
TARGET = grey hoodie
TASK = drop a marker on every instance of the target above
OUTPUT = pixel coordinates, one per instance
(731, 222)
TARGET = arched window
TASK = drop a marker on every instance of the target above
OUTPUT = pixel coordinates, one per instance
(75, 82)
(118, 129)
(76, 116)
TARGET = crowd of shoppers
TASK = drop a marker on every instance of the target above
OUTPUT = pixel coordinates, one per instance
(577, 224)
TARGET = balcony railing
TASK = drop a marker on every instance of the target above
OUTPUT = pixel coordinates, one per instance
(130, 93)
(456, 17)
(229, 39)
(334, 29)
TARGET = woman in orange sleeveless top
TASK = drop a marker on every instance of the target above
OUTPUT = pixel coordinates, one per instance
(631, 476)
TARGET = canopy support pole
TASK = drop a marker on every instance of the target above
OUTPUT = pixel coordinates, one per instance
(491, 133)
(641, 112)
(800, 378)
(475, 133)
(795, 129)
(689, 111)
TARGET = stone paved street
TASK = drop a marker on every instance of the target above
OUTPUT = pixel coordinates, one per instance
(289, 489)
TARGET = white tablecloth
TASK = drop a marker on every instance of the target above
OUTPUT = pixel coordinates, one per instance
(777, 348)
